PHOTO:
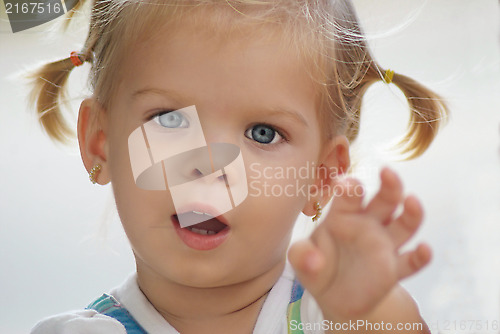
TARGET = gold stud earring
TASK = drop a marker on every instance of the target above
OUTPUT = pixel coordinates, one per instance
(94, 172)
(318, 209)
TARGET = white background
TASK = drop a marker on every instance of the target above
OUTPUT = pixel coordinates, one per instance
(62, 245)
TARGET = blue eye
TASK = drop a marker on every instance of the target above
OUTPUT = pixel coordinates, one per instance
(263, 134)
(171, 119)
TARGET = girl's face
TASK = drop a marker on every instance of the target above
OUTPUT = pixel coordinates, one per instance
(249, 91)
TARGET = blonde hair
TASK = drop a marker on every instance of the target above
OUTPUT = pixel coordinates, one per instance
(325, 32)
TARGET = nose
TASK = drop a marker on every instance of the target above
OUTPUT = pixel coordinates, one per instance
(198, 173)
(215, 159)
(212, 163)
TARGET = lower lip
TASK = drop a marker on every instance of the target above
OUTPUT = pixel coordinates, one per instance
(200, 241)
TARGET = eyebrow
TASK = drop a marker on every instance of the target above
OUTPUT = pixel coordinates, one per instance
(288, 113)
(179, 97)
(169, 93)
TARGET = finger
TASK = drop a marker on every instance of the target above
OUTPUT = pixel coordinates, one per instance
(405, 226)
(308, 263)
(387, 199)
(348, 196)
(411, 262)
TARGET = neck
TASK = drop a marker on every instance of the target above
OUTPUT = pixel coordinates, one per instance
(225, 309)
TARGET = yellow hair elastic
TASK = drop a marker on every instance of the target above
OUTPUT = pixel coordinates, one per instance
(389, 74)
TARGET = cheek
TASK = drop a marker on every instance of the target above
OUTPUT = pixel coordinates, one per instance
(120, 169)
(290, 183)
(136, 207)
(118, 154)
(280, 199)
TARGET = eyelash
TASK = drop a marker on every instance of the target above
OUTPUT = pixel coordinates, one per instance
(158, 113)
(279, 131)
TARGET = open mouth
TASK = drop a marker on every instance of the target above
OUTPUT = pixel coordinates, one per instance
(209, 224)
(204, 231)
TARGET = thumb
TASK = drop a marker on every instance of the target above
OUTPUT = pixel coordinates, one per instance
(307, 261)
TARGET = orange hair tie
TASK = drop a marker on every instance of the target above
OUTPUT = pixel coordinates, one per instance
(75, 58)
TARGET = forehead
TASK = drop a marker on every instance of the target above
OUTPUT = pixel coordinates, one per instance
(209, 64)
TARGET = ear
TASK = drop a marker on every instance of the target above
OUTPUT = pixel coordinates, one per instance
(92, 137)
(334, 161)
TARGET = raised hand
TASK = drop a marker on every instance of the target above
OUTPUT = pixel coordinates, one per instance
(352, 261)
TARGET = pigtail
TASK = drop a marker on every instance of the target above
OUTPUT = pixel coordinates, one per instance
(355, 70)
(49, 92)
(428, 112)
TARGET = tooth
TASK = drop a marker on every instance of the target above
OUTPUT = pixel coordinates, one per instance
(199, 231)
(211, 232)
(201, 213)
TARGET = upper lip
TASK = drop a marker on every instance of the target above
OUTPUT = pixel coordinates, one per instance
(204, 208)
